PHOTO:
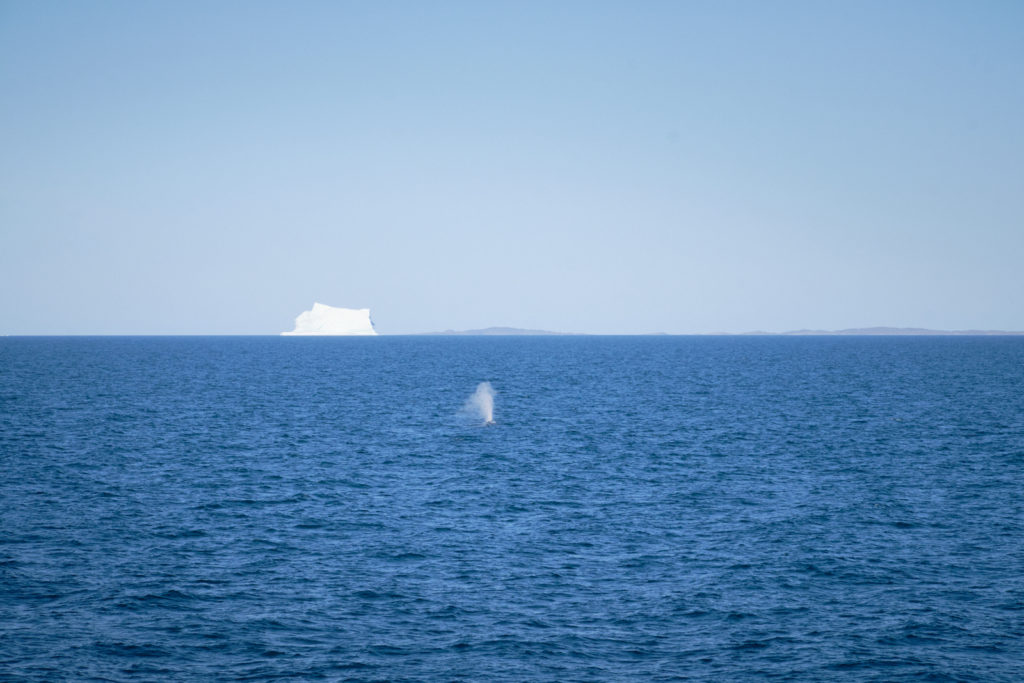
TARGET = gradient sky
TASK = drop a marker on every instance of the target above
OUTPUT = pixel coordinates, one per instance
(682, 167)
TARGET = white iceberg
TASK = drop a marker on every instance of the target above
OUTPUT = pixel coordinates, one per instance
(327, 320)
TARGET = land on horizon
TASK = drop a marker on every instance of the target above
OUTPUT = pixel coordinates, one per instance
(523, 332)
(854, 331)
(890, 331)
(494, 331)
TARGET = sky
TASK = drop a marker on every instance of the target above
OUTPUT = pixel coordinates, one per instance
(601, 167)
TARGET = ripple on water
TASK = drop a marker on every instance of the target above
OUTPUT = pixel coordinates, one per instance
(645, 509)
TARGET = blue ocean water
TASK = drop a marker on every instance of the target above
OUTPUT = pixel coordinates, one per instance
(644, 508)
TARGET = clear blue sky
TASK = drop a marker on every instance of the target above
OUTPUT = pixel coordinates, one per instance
(215, 167)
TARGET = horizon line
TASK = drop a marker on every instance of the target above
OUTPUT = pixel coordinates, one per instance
(512, 332)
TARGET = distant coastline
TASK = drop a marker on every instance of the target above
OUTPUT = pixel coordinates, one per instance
(523, 332)
(888, 332)
(850, 332)
(494, 331)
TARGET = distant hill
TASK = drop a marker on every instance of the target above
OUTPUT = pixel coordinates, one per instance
(495, 331)
(851, 332)
(893, 331)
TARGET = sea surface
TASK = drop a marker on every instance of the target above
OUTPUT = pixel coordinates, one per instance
(643, 508)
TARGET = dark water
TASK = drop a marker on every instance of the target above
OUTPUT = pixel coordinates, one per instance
(644, 509)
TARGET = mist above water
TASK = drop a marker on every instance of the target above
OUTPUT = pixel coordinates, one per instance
(481, 403)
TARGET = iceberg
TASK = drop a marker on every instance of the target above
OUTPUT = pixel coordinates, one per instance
(327, 320)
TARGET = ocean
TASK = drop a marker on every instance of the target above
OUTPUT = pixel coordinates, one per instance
(642, 508)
